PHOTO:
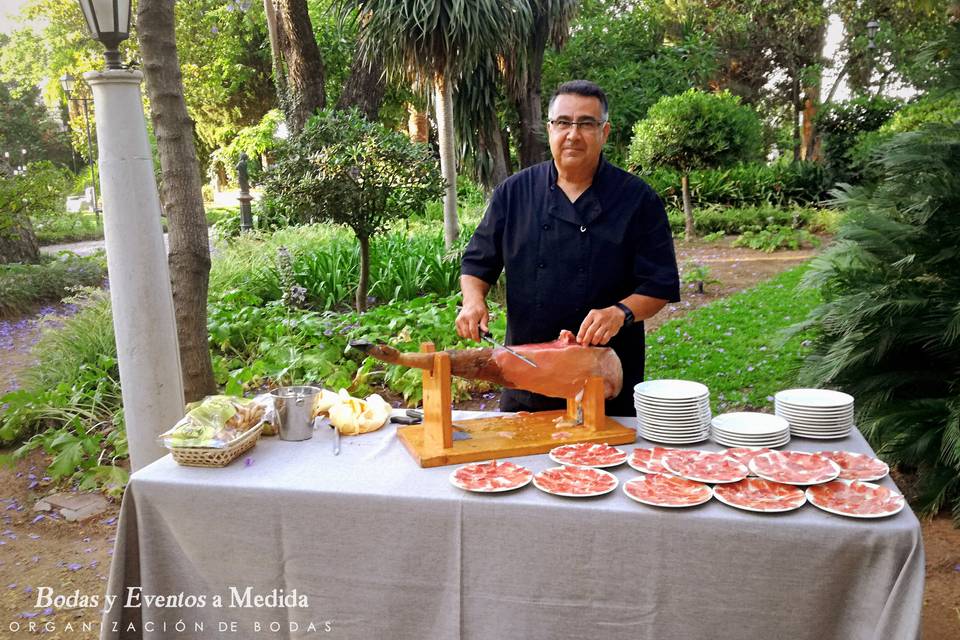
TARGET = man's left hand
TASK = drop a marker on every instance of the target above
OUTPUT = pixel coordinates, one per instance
(600, 325)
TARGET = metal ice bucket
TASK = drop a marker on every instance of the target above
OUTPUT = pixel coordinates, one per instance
(294, 410)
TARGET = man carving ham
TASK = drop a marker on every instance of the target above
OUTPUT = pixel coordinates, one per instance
(585, 245)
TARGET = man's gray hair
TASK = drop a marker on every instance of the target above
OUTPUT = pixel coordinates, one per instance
(582, 88)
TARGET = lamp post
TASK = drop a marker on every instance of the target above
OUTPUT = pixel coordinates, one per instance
(68, 83)
(243, 179)
(873, 26)
(148, 354)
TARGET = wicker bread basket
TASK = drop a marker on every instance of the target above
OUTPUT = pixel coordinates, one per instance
(213, 457)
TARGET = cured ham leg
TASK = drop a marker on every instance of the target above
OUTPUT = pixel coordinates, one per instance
(563, 366)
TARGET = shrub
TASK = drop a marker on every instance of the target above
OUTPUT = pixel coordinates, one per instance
(347, 170)
(746, 185)
(25, 286)
(695, 130)
(736, 220)
(889, 327)
(774, 237)
(67, 227)
(841, 123)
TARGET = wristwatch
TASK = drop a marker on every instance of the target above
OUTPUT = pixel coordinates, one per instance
(628, 318)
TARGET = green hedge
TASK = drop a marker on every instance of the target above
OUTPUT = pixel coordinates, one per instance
(746, 185)
(25, 286)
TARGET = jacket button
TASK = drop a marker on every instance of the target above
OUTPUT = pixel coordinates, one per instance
(541, 265)
(581, 269)
(583, 229)
(546, 227)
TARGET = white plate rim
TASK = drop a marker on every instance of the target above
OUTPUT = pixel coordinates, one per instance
(780, 422)
(797, 484)
(710, 494)
(700, 389)
(868, 516)
(871, 478)
(843, 398)
(725, 501)
(577, 495)
(674, 472)
(591, 466)
(500, 490)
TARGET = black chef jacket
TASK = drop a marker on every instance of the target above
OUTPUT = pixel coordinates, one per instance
(563, 259)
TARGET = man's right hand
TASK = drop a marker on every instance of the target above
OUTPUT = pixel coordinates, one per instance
(472, 320)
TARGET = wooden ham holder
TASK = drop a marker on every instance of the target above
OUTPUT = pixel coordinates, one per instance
(432, 444)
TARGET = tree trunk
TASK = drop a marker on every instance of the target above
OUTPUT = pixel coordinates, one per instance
(808, 143)
(448, 160)
(365, 87)
(18, 243)
(189, 253)
(493, 145)
(364, 273)
(305, 72)
(795, 101)
(690, 232)
(276, 54)
(418, 125)
(531, 143)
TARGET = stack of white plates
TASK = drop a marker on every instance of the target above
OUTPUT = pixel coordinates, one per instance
(748, 429)
(672, 411)
(816, 413)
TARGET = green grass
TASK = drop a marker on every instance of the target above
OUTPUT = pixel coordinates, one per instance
(69, 227)
(732, 344)
(23, 287)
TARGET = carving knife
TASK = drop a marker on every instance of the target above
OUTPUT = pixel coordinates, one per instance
(489, 338)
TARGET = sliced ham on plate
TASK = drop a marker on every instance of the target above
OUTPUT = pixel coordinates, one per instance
(857, 466)
(491, 477)
(705, 466)
(665, 490)
(794, 467)
(744, 455)
(588, 454)
(575, 482)
(855, 499)
(649, 460)
(757, 494)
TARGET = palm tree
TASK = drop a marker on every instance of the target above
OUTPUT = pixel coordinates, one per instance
(433, 42)
(523, 68)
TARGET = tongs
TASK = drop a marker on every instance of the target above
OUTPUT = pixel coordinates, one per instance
(489, 338)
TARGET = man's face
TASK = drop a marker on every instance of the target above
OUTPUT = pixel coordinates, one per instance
(575, 147)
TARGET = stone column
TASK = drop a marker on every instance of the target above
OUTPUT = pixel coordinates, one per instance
(143, 318)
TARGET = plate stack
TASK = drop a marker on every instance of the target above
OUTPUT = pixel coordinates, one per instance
(672, 411)
(748, 429)
(816, 413)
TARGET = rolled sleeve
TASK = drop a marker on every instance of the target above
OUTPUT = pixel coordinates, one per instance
(655, 266)
(483, 257)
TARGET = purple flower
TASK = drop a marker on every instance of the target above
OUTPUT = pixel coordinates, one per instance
(48, 611)
(34, 536)
(28, 589)
(73, 566)
(12, 585)
(248, 461)
(32, 484)
(37, 519)
(29, 614)
(110, 520)
(35, 559)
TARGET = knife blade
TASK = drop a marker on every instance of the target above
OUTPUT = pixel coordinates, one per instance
(489, 338)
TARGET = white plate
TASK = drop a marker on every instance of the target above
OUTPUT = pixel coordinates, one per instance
(576, 495)
(729, 503)
(754, 469)
(455, 482)
(707, 495)
(736, 444)
(671, 389)
(869, 477)
(685, 413)
(823, 414)
(553, 456)
(747, 423)
(670, 429)
(767, 436)
(743, 469)
(671, 440)
(814, 398)
(811, 498)
(820, 436)
(815, 421)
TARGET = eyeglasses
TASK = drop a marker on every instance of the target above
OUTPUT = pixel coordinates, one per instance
(587, 126)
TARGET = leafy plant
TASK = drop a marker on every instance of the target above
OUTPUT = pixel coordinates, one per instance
(774, 237)
(347, 170)
(889, 326)
(698, 275)
(736, 220)
(25, 286)
(695, 130)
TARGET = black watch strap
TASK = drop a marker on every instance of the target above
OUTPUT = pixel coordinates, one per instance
(628, 318)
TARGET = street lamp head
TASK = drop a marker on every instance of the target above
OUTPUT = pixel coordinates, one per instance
(872, 28)
(67, 83)
(244, 5)
(109, 23)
